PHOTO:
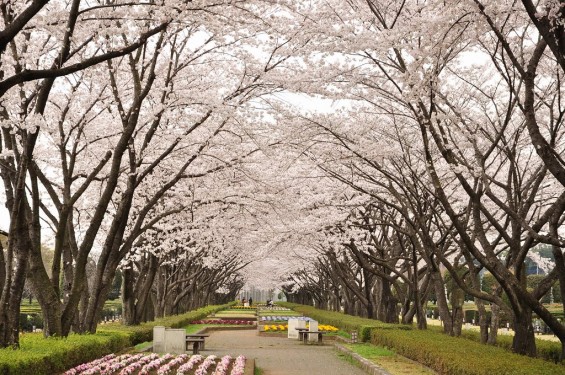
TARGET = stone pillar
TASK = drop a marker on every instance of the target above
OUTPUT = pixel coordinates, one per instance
(175, 340)
(313, 327)
(292, 325)
(159, 339)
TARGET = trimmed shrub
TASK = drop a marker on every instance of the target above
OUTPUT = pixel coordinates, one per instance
(457, 355)
(548, 350)
(39, 355)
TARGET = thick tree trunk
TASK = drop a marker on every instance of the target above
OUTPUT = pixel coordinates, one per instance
(98, 297)
(405, 314)
(443, 308)
(368, 291)
(12, 295)
(128, 297)
(457, 315)
(524, 338)
(19, 244)
(494, 324)
(387, 310)
(483, 321)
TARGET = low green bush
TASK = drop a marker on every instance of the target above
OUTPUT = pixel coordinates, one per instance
(47, 356)
(458, 355)
(39, 355)
(548, 350)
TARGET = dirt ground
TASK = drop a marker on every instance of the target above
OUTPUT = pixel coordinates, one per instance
(280, 356)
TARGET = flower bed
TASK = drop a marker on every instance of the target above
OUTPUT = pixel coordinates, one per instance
(275, 327)
(273, 308)
(284, 327)
(224, 321)
(140, 364)
(273, 318)
(244, 307)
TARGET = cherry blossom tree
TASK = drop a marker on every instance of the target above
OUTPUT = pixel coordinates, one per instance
(174, 112)
(41, 41)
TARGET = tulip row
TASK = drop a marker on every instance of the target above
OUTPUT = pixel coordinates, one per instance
(168, 364)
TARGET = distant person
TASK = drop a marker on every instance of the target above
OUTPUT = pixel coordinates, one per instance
(270, 303)
(250, 301)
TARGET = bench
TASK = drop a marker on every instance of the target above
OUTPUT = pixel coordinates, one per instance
(303, 335)
(196, 344)
(196, 336)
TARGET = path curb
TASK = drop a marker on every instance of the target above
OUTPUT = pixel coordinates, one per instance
(367, 366)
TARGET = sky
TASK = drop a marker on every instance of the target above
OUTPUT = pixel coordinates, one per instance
(4, 217)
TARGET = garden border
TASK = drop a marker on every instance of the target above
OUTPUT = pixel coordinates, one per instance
(367, 366)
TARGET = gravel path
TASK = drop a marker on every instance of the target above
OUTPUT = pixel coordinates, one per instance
(280, 356)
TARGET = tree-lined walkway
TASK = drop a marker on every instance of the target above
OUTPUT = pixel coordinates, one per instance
(280, 356)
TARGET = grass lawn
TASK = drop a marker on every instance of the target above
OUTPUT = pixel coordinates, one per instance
(389, 360)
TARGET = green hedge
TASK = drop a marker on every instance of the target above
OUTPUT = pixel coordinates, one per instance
(458, 355)
(445, 354)
(46, 356)
(548, 350)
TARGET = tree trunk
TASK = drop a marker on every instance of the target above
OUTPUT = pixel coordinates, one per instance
(128, 297)
(494, 324)
(19, 244)
(387, 310)
(482, 320)
(524, 339)
(442, 305)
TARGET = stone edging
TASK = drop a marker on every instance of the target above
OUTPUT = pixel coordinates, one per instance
(249, 366)
(367, 366)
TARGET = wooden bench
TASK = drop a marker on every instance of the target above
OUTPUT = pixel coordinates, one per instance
(196, 342)
(201, 345)
(303, 335)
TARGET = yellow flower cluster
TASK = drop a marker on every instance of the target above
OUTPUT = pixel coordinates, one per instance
(276, 327)
(327, 328)
(281, 327)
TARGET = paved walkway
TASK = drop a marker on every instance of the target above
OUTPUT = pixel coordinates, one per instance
(280, 356)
